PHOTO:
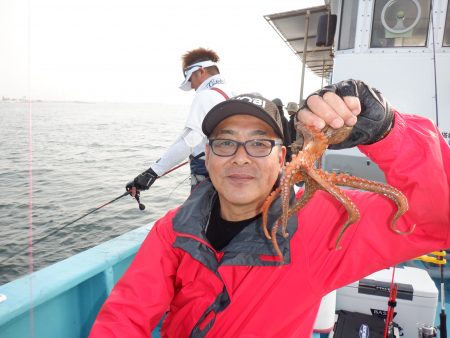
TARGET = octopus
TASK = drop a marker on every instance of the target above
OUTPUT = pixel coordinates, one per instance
(307, 152)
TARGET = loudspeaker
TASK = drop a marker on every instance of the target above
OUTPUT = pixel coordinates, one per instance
(326, 28)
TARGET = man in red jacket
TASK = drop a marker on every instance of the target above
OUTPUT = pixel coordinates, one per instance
(207, 265)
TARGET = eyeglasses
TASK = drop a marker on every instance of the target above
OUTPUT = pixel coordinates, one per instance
(187, 69)
(254, 148)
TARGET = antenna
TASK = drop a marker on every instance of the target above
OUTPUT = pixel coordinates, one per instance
(434, 63)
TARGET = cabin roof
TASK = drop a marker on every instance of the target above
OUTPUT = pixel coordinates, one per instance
(292, 29)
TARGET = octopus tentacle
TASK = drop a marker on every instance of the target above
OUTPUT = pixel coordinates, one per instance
(294, 176)
(353, 213)
(299, 204)
(380, 188)
(285, 192)
(265, 210)
(400, 232)
(275, 242)
(308, 193)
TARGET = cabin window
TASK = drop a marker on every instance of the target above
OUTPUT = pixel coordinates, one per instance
(347, 28)
(446, 42)
(400, 23)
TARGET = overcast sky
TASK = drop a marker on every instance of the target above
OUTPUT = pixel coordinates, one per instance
(129, 50)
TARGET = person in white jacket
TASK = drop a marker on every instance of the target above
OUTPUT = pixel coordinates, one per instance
(202, 74)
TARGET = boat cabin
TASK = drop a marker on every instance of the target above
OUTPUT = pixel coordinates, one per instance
(401, 47)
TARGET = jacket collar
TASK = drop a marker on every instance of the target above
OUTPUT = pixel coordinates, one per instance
(249, 247)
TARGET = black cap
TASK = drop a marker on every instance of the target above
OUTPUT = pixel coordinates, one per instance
(244, 104)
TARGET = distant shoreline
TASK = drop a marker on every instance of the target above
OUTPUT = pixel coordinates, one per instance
(22, 100)
(12, 100)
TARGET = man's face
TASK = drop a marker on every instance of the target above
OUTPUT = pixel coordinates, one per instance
(242, 181)
(197, 78)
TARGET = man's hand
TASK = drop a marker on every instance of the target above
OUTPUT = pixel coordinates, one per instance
(350, 103)
(142, 181)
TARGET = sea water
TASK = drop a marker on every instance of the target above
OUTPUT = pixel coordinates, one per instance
(60, 160)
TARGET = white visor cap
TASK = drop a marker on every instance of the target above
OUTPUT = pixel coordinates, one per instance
(188, 71)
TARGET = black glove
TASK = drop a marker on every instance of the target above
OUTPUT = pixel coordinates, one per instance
(376, 117)
(143, 181)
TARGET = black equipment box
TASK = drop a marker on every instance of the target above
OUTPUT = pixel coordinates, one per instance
(359, 325)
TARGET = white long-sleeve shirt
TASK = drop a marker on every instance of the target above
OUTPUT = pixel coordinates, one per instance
(192, 140)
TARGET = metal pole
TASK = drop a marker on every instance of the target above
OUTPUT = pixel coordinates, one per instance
(305, 50)
(323, 72)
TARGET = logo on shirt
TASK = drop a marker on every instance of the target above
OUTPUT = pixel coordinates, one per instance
(213, 82)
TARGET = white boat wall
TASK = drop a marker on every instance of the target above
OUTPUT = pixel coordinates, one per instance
(394, 45)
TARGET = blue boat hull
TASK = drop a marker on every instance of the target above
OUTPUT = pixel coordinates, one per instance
(63, 299)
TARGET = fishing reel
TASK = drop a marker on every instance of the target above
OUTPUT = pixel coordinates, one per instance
(137, 197)
(426, 331)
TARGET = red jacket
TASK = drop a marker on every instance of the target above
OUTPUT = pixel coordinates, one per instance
(242, 291)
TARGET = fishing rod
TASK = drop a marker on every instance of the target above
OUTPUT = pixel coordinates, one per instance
(141, 207)
(70, 223)
(443, 315)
